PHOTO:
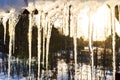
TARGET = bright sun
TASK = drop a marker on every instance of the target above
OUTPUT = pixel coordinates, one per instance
(100, 22)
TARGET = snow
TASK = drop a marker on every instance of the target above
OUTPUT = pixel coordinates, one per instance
(84, 76)
(62, 70)
(5, 77)
(83, 71)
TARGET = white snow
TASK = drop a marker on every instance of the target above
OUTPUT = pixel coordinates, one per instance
(62, 70)
(5, 77)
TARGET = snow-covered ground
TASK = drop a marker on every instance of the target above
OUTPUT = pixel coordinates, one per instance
(5, 77)
(83, 72)
(83, 76)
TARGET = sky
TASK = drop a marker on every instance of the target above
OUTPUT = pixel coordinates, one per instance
(6, 4)
(21, 2)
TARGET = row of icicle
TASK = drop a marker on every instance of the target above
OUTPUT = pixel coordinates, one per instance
(43, 22)
(40, 23)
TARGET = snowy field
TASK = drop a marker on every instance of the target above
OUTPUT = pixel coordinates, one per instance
(5, 77)
(83, 72)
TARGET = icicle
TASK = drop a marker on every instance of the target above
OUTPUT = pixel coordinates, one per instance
(30, 43)
(12, 23)
(44, 24)
(37, 21)
(4, 24)
(4, 21)
(75, 46)
(39, 50)
(90, 46)
(10, 53)
(113, 42)
(47, 43)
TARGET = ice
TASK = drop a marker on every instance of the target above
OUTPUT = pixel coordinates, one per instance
(48, 13)
(113, 43)
(90, 32)
(44, 25)
(12, 23)
(75, 45)
(62, 70)
(47, 43)
(4, 21)
(37, 21)
(30, 43)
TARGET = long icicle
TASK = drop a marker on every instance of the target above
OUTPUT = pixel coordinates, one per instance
(43, 45)
(90, 47)
(30, 43)
(47, 44)
(10, 49)
(113, 42)
(39, 45)
(39, 51)
(75, 47)
(9, 57)
(4, 24)
(12, 24)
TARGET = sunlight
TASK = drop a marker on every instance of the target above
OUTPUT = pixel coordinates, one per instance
(101, 23)
(82, 24)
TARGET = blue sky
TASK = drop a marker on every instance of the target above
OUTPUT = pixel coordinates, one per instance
(11, 3)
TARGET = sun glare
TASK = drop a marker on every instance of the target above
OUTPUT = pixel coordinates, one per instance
(100, 22)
